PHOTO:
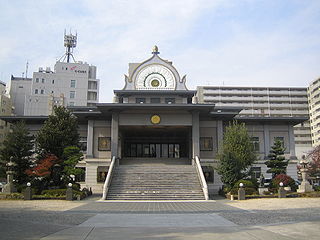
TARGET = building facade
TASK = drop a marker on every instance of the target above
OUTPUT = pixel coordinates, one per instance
(314, 110)
(156, 118)
(6, 110)
(265, 102)
(70, 84)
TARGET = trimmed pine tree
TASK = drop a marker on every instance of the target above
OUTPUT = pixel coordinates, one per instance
(277, 162)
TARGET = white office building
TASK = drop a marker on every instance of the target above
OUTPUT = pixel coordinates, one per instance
(69, 84)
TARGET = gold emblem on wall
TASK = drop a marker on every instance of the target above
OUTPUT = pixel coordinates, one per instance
(155, 119)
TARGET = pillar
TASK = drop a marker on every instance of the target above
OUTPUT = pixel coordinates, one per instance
(195, 135)
(219, 134)
(291, 143)
(266, 138)
(114, 134)
(90, 139)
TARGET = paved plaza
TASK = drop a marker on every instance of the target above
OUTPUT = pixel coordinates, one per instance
(217, 219)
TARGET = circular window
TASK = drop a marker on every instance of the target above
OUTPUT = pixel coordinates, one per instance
(155, 83)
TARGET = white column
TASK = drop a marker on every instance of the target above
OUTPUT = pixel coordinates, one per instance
(291, 143)
(114, 134)
(195, 135)
(266, 136)
(219, 134)
(90, 139)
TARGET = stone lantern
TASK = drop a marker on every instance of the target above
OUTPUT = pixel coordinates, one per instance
(305, 186)
(9, 187)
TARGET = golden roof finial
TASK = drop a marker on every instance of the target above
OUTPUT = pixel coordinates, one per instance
(155, 50)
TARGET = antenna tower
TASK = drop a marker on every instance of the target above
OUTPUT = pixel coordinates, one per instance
(70, 42)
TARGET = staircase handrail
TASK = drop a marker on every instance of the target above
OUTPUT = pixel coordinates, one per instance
(108, 178)
(202, 178)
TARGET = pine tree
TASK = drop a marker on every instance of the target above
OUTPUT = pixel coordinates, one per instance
(236, 155)
(71, 156)
(18, 148)
(57, 133)
(277, 163)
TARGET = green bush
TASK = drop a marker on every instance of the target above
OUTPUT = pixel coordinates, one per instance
(248, 190)
(317, 188)
(249, 186)
(11, 196)
(54, 192)
(246, 183)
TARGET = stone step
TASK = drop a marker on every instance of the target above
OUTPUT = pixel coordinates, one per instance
(149, 181)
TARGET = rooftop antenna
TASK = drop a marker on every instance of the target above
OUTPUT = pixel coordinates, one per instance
(27, 65)
(70, 42)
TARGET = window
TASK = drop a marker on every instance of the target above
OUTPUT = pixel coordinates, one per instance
(36, 91)
(20, 86)
(206, 144)
(52, 81)
(140, 100)
(42, 80)
(42, 91)
(104, 143)
(71, 103)
(81, 177)
(102, 173)
(73, 83)
(155, 100)
(170, 100)
(37, 80)
(281, 139)
(256, 143)
(72, 94)
(208, 173)
(255, 172)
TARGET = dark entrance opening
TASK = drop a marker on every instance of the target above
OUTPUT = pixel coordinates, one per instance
(155, 142)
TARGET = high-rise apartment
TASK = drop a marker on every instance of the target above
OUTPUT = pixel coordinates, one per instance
(266, 102)
(314, 110)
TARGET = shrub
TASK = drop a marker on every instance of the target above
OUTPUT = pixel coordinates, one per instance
(285, 179)
(248, 190)
(249, 187)
(54, 192)
(317, 188)
(246, 183)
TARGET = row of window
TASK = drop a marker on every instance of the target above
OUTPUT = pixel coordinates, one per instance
(206, 143)
(156, 100)
(72, 94)
(72, 82)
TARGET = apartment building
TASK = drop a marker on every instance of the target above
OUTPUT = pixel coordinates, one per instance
(5, 110)
(314, 111)
(265, 102)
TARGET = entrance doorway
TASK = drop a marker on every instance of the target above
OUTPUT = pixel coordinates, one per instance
(155, 142)
(153, 150)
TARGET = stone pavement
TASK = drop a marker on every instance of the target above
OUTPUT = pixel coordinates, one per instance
(188, 220)
(223, 219)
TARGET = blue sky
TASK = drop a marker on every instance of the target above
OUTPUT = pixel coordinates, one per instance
(213, 42)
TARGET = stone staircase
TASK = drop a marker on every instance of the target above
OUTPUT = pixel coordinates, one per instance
(155, 182)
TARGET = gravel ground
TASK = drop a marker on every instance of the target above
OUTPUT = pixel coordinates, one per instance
(276, 203)
(41, 205)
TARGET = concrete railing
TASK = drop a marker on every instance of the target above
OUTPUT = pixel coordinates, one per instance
(108, 178)
(201, 177)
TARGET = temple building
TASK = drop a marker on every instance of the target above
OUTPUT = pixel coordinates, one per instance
(155, 135)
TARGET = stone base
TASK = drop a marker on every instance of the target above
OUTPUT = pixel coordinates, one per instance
(262, 190)
(305, 187)
(9, 188)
